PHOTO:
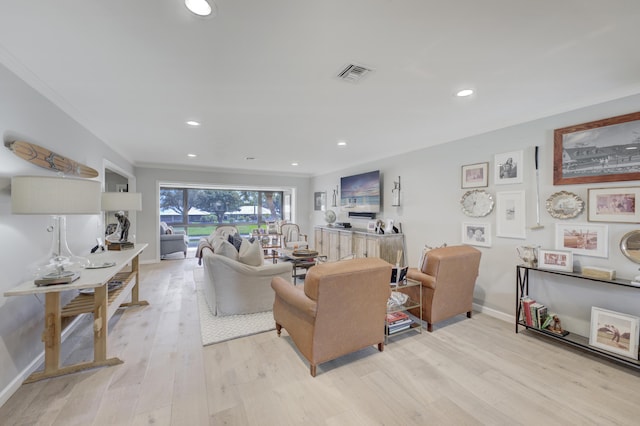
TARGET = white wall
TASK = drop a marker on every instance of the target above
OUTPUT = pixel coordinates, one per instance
(149, 179)
(430, 214)
(26, 115)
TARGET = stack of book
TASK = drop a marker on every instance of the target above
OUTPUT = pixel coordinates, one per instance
(397, 321)
(533, 314)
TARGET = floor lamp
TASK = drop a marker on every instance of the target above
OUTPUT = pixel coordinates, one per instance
(56, 196)
(121, 202)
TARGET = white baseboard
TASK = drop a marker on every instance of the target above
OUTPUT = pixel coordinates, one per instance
(494, 313)
(15, 384)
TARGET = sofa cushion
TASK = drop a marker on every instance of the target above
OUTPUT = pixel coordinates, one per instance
(225, 248)
(163, 228)
(251, 253)
(236, 240)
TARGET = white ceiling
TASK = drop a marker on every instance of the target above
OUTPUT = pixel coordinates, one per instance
(261, 75)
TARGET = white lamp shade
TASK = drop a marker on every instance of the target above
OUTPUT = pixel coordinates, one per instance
(54, 195)
(126, 201)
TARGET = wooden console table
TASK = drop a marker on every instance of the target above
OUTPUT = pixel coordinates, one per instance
(103, 304)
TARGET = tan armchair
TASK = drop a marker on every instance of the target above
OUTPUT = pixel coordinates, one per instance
(292, 237)
(448, 276)
(340, 310)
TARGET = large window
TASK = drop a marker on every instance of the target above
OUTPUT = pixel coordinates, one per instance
(198, 211)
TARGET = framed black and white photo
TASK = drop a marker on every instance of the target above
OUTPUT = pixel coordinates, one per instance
(476, 234)
(614, 204)
(510, 210)
(614, 332)
(475, 175)
(320, 201)
(585, 239)
(605, 150)
(555, 260)
(508, 168)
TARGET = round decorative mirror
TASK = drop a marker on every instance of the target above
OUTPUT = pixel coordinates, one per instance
(630, 246)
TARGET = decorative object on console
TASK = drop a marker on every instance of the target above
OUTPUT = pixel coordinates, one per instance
(555, 260)
(334, 201)
(329, 217)
(121, 202)
(630, 247)
(475, 175)
(528, 255)
(564, 205)
(614, 204)
(56, 196)
(508, 168)
(614, 332)
(476, 234)
(42, 157)
(585, 239)
(510, 209)
(598, 151)
(395, 193)
(476, 203)
(599, 273)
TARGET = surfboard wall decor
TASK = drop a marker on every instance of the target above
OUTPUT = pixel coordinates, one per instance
(42, 157)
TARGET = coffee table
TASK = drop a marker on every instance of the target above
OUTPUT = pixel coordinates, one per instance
(299, 262)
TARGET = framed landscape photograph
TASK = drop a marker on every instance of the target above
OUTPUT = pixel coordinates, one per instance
(555, 260)
(320, 201)
(510, 210)
(508, 168)
(585, 239)
(476, 234)
(475, 175)
(614, 332)
(599, 151)
(614, 204)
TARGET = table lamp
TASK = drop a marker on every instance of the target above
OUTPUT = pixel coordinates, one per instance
(121, 202)
(56, 196)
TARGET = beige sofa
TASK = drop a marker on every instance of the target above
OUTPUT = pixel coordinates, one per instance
(232, 287)
(341, 308)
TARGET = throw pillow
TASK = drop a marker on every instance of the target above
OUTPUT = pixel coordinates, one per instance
(251, 253)
(225, 248)
(236, 240)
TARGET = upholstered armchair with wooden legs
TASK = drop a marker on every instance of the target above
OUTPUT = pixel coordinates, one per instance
(340, 310)
(292, 238)
(448, 276)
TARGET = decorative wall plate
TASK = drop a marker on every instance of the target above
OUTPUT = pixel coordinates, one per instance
(477, 203)
(564, 205)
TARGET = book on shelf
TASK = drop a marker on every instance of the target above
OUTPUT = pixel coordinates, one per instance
(399, 323)
(392, 330)
(541, 316)
(525, 302)
(394, 317)
(535, 306)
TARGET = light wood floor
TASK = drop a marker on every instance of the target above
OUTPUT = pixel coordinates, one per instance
(469, 372)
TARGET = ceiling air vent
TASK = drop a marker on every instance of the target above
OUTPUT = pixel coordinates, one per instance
(353, 73)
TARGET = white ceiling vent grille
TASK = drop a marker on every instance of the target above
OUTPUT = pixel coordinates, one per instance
(353, 73)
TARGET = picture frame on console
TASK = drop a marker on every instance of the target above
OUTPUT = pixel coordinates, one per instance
(605, 150)
(586, 239)
(614, 204)
(475, 175)
(555, 260)
(614, 332)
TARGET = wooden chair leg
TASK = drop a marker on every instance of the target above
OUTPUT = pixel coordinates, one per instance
(429, 327)
(278, 329)
(381, 346)
(313, 370)
(469, 314)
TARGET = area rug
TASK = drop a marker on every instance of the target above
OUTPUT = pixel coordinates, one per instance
(216, 329)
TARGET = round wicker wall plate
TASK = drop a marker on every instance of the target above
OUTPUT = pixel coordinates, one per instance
(564, 205)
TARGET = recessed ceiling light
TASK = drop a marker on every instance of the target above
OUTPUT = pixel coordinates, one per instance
(192, 155)
(464, 92)
(342, 143)
(294, 164)
(199, 7)
(249, 158)
(193, 123)
(631, 147)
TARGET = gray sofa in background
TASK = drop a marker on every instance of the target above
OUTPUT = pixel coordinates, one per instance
(172, 241)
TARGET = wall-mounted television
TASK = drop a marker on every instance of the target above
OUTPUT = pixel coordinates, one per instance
(360, 193)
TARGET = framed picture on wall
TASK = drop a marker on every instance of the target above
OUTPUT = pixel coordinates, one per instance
(475, 175)
(599, 151)
(614, 204)
(510, 210)
(614, 332)
(508, 168)
(586, 239)
(476, 234)
(319, 201)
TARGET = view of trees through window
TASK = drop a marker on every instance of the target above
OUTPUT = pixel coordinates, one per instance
(199, 211)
